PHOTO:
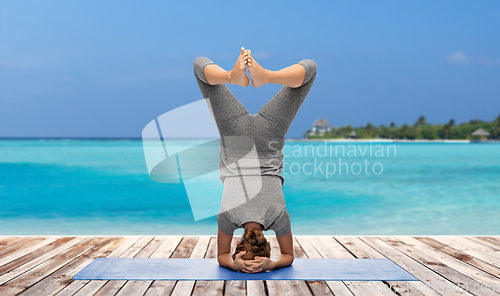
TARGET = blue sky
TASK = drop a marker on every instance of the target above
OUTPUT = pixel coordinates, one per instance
(107, 68)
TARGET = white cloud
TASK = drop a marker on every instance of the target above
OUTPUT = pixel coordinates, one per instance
(457, 58)
(226, 56)
(261, 55)
(460, 58)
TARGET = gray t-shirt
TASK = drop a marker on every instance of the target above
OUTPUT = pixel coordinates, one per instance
(267, 207)
(252, 189)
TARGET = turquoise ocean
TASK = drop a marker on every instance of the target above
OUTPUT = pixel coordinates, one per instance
(87, 187)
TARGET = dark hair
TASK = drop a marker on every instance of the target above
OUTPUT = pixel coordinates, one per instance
(254, 243)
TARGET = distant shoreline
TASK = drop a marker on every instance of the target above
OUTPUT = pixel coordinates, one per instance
(392, 141)
(286, 139)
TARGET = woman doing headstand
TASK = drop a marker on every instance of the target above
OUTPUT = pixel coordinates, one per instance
(263, 207)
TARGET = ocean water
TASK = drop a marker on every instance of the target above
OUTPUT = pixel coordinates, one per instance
(85, 187)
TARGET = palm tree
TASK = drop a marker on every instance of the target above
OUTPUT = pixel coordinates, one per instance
(405, 130)
(369, 129)
(415, 131)
(495, 128)
(421, 121)
(393, 125)
(447, 127)
(383, 131)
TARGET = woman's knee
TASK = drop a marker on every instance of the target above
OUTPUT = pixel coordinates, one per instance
(199, 65)
(311, 68)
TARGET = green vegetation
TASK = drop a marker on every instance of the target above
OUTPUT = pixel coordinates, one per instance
(421, 130)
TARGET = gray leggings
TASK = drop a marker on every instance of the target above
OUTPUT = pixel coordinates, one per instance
(272, 121)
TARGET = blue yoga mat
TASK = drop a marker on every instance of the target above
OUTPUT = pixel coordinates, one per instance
(337, 269)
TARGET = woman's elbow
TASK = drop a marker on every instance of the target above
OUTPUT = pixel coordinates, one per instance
(289, 261)
(222, 261)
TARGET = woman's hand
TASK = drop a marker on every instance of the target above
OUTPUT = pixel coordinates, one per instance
(259, 264)
(238, 263)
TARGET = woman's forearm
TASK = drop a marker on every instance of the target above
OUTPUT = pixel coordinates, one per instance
(284, 261)
(225, 260)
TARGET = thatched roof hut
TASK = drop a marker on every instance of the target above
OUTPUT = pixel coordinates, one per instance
(321, 126)
(480, 132)
(321, 123)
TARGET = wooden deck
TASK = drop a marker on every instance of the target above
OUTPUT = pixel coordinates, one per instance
(445, 265)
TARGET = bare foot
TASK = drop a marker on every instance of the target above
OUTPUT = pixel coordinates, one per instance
(259, 75)
(239, 74)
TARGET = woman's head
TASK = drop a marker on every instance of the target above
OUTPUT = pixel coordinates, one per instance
(254, 243)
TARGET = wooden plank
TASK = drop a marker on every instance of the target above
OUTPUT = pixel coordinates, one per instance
(165, 250)
(160, 288)
(182, 250)
(112, 287)
(134, 288)
(4, 238)
(235, 288)
(432, 280)
(492, 251)
(36, 274)
(76, 286)
(277, 287)
(461, 256)
(493, 239)
(285, 287)
(11, 241)
(150, 248)
(185, 247)
(32, 258)
(479, 251)
(26, 250)
(25, 263)
(484, 241)
(59, 279)
(190, 250)
(255, 288)
(433, 263)
(91, 287)
(214, 287)
(28, 254)
(140, 287)
(321, 287)
(19, 245)
(437, 259)
(328, 247)
(361, 250)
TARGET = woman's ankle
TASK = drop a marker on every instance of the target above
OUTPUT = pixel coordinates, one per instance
(230, 77)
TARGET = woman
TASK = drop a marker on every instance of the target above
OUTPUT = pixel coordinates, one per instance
(253, 200)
